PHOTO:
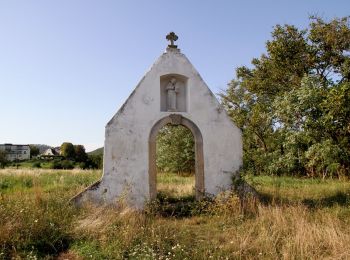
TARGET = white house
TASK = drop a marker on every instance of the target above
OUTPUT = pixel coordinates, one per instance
(50, 152)
(16, 151)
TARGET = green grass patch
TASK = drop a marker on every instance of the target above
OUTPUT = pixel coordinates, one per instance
(309, 191)
(175, 186)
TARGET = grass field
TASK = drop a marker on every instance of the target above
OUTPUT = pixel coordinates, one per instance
(298, 219)
(29, 164)
(174, 185)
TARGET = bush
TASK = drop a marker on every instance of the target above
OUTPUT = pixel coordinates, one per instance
(94, 161)
(82, 165)
(36, 165)
(55, 165)
(67, 165)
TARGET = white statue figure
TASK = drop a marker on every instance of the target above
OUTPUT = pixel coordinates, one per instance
(172, 90)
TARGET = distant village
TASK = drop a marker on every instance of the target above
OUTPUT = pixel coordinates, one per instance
(66, 156)
(21, 152)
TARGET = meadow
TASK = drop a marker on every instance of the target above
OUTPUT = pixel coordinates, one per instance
(297, 219)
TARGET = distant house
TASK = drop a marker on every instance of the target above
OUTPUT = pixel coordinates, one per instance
(57, 150)
(50, 153)
(16, 152)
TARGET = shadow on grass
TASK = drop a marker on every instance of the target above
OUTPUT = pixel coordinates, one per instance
(338, 199)
(182, 207)
(269, 199)
(178, 207)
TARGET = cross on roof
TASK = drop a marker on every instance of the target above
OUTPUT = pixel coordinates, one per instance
(172, 37)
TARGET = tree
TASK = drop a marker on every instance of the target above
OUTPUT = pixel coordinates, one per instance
(3, 159)
(67, 150)
(294, 101)
(80, 154)
(175, 149)
(34, 151)
(95, 161)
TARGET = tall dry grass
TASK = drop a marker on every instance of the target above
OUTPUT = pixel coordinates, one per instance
(291, 232)
(222, 232)
(36, 221)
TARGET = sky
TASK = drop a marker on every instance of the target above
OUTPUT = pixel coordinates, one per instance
(67, 66)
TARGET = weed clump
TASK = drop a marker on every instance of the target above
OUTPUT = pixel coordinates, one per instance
(36, 220)
(38, 224)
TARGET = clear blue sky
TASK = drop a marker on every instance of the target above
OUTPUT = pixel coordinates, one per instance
(67, 66)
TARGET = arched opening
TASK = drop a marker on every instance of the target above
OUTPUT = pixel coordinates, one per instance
(176, 119)
(175, 160)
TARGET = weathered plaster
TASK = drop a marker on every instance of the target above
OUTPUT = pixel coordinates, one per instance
(126, 153)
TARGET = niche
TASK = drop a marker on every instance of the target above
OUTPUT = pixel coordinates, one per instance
(173, 93)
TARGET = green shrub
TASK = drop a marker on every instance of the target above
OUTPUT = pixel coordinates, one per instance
(5, 184)
(36, 165)
(55, 165)
(67, 165)
(94, 161)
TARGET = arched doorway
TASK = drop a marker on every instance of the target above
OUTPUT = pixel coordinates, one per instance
(176, 119)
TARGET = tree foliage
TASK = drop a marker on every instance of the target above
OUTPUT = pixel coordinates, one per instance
(79, 153)
(34, 150)
(67, 150)
(175, 149)
(293, 104)
(94, 161)
(3, 159)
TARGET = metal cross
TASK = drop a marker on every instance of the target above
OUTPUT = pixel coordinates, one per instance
(172, 37)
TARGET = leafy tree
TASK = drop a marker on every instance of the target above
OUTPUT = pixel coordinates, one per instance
(294, 101)
(175, 149)
(323, 158)
(34, 151)
(80, 154)
(3, 159)
(95, 161)
(67, 150)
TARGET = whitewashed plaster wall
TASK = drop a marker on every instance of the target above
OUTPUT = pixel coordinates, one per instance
(126, 169)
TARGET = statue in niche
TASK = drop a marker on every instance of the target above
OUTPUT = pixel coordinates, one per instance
(172, 90)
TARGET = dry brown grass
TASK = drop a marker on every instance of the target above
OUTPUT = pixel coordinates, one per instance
(289, 233)
(222, 232)
(37, 172)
